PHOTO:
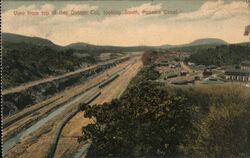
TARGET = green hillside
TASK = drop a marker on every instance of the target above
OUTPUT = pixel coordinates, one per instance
(15, 38)
(208, 41)
(199, 43)
(221, 55)
(27, 58)
(23, 62)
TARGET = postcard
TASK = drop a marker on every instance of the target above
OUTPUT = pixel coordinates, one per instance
(129, 78)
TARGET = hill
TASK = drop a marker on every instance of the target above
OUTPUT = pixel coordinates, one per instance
(24, 62)
(204, 42)
(208, 41)
(221, 55)
(80, 45)
(198, 42)
(15, 38)
(86, 46)
(27, 58)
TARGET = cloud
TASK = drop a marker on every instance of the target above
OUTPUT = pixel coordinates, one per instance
(213, 19)
(216, 10)
(85, 7)
(42, 25)
(147, 7)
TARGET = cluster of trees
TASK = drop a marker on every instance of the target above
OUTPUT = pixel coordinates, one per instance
(24, 62)
(149, 57)
(221, 55)
(154, 120)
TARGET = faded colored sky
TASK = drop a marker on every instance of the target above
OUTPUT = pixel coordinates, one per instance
(224, 19)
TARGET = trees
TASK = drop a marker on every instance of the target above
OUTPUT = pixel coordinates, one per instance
(24, 62)
(224, 132)
(146, 121)
(149, 57)
(153, 120)
(221, 55)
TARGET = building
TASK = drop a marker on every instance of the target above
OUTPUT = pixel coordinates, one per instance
(183, 73)
(237, 75)
(245, 65)
(242, 74)
(207, 72)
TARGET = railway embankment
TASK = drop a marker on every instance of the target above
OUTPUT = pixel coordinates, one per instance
(16, 101)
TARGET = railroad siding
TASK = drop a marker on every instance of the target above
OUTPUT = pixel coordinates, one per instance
(14, 102)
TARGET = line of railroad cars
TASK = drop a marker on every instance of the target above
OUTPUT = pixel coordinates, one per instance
(108, 81)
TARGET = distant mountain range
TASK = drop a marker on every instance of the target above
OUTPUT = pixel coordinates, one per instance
(15, 38)
(86, 46)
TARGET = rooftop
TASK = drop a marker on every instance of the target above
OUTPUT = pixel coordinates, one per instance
(237, 72)
(245, 63)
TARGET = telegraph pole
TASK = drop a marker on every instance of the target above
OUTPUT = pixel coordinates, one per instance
(247, 28)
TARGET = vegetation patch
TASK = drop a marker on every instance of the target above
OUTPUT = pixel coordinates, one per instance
(220, 55)
(24, 62)
(155, 120)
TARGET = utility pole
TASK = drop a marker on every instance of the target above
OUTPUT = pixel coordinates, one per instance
(247, 28)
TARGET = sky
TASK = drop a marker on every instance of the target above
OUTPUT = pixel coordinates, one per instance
(173, 22)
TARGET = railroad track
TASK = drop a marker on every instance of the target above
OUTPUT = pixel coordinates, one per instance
(85, 147)
(55, 140)
(11, 121)
(36, 91)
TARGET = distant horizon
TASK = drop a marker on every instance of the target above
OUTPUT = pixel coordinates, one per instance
(123, 45)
